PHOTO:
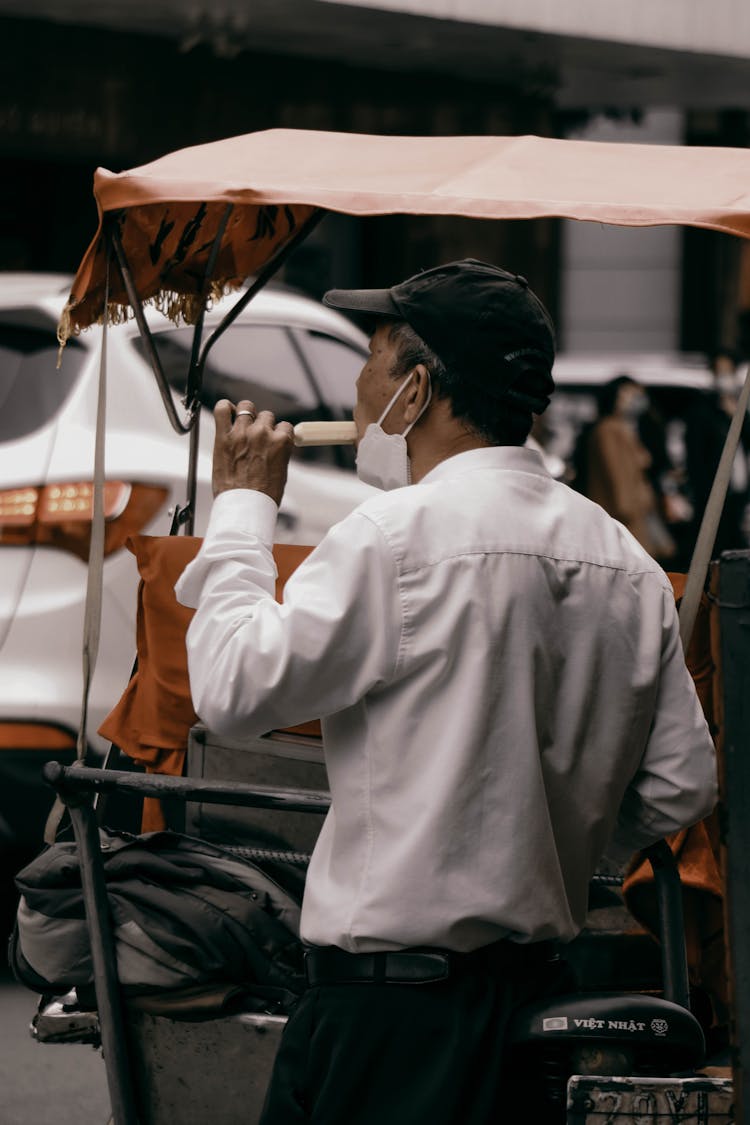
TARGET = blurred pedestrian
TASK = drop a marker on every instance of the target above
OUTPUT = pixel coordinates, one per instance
(614, 466)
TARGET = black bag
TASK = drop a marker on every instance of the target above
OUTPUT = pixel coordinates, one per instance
(184, 913)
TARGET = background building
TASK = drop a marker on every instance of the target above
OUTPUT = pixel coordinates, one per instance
(120, 82)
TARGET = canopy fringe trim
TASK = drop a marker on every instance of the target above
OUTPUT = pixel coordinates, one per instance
(179, 308)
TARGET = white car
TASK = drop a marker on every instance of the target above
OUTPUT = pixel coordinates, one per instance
(286, 352)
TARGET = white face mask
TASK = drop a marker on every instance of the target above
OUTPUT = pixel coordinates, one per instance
(383, 459)
(636, 405)
(727, 385)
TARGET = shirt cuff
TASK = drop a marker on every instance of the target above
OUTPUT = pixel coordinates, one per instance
(237, 516)
(246, 510)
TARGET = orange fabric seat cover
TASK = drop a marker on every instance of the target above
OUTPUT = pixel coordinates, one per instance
(152, 720)
(697, 849)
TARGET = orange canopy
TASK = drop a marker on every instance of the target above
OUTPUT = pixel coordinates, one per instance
(168, 211)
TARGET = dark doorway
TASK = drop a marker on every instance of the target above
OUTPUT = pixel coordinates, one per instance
(47, 214)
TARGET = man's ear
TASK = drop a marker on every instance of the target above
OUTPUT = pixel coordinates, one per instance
(417, 393)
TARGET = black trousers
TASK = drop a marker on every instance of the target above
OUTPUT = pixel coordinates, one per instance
(405, 1054)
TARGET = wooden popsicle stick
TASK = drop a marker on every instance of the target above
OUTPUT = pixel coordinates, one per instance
(325, 433)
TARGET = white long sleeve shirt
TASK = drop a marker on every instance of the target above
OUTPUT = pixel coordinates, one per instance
(502, 687)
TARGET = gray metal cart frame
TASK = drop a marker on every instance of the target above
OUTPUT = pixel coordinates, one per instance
(76, 787)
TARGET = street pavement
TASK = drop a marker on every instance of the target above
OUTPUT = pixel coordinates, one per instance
(40, 1084)
(43, 1084)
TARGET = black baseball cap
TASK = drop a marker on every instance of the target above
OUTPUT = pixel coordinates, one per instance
(481, 321)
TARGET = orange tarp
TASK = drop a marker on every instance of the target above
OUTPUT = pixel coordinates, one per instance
(152, 720)
(696, 849)
(168, 211)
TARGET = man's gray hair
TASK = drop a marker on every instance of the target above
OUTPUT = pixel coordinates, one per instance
(411, 350)
(497, 420)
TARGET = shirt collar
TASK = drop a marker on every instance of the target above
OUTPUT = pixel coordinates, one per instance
(509, 458)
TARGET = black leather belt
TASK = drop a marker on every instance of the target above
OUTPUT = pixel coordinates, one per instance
(331, 965)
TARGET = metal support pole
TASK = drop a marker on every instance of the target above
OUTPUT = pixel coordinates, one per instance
(112, 233)
(195, 370)
(262, 278)
(185, 517)
(734, 604)
(85, 779)
(76, 786)
(104, 961)
(192, 400)
(704, 544)
(674, 965)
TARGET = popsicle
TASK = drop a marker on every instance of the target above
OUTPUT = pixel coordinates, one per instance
(325, 433)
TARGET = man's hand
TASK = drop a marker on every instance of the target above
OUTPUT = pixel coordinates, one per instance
(251, 450)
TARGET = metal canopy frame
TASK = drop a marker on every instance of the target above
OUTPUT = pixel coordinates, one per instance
(184, 517)
(76, 787)
(734, 643)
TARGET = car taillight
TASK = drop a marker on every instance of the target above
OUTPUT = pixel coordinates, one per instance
(59, 515)
(35, 736)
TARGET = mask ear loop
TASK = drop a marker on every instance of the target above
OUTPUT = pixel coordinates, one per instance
(395, 395)
(400, 391)
(411, 425)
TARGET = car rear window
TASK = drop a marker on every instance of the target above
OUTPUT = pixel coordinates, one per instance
(292, 373)
(257, 362)
(32, 389)
(336, 364)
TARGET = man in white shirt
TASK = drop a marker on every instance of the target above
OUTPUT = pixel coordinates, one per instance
(503, 693)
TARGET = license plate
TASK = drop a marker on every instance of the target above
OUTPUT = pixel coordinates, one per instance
(650, 1101)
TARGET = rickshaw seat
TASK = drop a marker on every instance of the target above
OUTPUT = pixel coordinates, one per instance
(644, 1026)
(281, 759)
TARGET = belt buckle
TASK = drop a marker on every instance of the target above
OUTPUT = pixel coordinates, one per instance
(394, 967)
(403, 967)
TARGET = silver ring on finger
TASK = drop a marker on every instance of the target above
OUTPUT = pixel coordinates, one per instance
(249, 413)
